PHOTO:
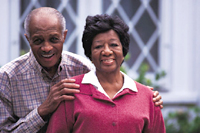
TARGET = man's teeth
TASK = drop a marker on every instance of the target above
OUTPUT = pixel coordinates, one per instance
(47, 56)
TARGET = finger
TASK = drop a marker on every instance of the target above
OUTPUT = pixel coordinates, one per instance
(161, 106)
(66, 85)
(68, 80)
(159, 103)
(56, 100)
(157, 98)
(69, 87)
(150, 87)
(65, 81)
(155, 94)
(67, 97)
(69, 91)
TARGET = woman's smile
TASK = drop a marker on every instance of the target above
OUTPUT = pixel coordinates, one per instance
(107, 61)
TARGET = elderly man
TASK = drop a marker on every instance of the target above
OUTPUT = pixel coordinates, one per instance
(33, 85)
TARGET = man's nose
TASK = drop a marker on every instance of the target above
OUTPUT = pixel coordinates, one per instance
(46, 47)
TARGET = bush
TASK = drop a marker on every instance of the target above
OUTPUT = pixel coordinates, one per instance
(143, 69)
(183, 121)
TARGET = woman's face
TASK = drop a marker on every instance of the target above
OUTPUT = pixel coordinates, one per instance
(106, 52)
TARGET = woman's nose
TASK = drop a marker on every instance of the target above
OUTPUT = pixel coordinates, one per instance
(107, 50)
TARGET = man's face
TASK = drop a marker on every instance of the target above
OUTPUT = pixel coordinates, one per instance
(46, 40)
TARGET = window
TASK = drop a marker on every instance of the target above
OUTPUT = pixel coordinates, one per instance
(69, 10)
(142, 16)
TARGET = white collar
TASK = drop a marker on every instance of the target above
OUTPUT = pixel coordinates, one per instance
(91, 78)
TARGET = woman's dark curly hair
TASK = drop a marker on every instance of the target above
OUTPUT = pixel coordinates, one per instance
(103, 23)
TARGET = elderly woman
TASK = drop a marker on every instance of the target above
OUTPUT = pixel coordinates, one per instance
(109, 101)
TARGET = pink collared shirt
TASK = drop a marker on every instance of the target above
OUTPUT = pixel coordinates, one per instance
(92, 111)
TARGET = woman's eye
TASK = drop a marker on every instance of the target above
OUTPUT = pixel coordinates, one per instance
(114, 44)
(97, 47)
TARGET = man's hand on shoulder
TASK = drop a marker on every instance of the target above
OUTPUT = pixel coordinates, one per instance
(156, 98)
(61, 91)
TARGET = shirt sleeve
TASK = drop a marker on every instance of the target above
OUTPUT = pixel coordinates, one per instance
(9, 122)
(156, 123)
(58, 122)
(29, 124)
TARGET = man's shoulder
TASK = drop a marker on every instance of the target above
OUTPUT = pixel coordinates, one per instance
(67, 54)
(76, 60)
(18, 64)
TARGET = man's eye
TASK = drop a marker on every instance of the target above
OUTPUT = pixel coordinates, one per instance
(37, 41)
(54, 39)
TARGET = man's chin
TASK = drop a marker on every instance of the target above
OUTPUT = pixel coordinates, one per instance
(50, 67)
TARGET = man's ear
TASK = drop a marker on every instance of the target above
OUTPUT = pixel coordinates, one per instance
(65, 34)
(26, 37)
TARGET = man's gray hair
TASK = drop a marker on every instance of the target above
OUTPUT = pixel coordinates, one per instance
(46, 9)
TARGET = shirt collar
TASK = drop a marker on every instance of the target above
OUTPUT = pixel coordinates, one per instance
(91, 78)
(34, 62)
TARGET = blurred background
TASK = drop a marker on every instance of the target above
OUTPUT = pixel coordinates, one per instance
(164, 48)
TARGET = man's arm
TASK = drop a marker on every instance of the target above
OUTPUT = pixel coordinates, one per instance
(37, 118)
(9, 121)
(29, 124)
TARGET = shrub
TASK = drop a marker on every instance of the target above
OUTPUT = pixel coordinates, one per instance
(183, 121)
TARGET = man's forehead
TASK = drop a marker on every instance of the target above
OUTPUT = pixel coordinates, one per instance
(44, 24)
(46, 10)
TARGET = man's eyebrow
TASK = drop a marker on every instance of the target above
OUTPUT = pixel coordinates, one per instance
(54, 34)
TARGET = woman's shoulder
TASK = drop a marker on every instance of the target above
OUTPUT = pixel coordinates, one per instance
(78, 78)
(143, 88)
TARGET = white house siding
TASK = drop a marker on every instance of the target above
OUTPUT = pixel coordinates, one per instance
(177, 30)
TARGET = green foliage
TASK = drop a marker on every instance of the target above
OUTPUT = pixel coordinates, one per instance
(183, 121)
(142, 79)
(178, 121)
(22, 52)
(160, 75)
(123, 69)
(127, 57)
(142, 74)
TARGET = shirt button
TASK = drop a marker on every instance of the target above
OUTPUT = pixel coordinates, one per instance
(113, 105)
(114, 123)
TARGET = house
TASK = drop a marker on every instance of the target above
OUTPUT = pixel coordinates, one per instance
(164, 34)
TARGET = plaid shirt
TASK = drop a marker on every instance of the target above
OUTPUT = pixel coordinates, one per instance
(24, 85)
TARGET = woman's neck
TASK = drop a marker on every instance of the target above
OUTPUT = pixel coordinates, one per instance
(109, 77)
(111, 82)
